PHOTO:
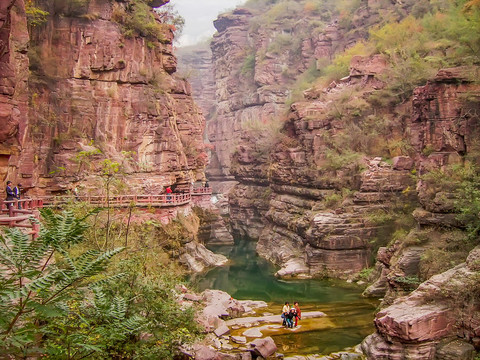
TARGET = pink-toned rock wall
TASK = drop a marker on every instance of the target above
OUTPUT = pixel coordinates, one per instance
(92, 88)
(13, 80)
(445, 126)
(442, 308)
(253, 83)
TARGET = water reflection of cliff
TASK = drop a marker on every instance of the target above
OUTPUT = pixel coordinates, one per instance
(248, 276)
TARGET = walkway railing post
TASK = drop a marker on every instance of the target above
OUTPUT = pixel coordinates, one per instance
(11, 214)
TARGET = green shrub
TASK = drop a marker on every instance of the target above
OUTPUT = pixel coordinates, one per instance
(408, 282)
(286, 9)
(380, 217)
(333, 200)
(337, 161)
(364, 274)
(248, 66)
(60, 300)
(137, 18)
(281, 44)
(304, 81)
(35, 15)
(45, 294)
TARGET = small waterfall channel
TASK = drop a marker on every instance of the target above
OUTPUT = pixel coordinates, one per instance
(247, 276)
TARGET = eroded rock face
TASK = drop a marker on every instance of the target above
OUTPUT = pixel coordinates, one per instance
(253, 78)
(197, 257)
(443, 128)
(441, 308)
(13, 80)
(92, 88)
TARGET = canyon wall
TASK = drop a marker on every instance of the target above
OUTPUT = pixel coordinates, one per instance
(78, 90)
(318, 210)
(284, 197)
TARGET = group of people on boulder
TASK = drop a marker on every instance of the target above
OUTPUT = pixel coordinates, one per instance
(13, 193)
(291, 315)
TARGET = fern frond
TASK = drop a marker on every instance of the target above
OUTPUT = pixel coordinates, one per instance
(106, 280)
(63, 229)
(86, 258)
(133, 324)
(100, 300)
(70, 262)
(98, 264)
(119, 308)
(42, 283)
(20, 251)
(9, 296)
(19, 245)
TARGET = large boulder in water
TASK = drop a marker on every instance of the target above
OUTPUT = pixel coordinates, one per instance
(264, 347)
(197, 257)
(218, 305)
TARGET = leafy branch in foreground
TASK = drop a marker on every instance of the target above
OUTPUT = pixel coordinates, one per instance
(40, 281)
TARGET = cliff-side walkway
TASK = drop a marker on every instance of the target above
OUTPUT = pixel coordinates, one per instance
(22, 213)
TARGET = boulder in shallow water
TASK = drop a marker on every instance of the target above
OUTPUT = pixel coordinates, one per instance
(264, 347)
(253, 332)
(197, 257)
(218, 305)
(239, 339)
(293, 267)
(222, 330)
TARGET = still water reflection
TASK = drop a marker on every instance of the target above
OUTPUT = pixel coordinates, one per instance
(247, 276)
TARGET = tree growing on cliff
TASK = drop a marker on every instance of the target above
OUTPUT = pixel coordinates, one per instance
(169, 15)
(35, 15)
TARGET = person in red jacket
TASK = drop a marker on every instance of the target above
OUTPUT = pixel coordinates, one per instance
(298, 313)
(169, 193)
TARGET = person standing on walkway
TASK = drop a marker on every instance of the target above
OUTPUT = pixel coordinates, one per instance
(10, 194)
(298, 313)
(75, 194)
(285, 311)
(169, 193)
(17, 191)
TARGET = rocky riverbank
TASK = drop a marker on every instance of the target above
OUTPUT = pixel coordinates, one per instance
(243, 329)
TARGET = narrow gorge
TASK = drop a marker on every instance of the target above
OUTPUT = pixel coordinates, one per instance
(339, 139)
(360, 170)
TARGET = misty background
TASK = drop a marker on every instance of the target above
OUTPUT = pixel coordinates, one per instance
(199, 16)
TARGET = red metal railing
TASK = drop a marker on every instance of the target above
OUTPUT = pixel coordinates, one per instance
(124, 200)
(14, 213)
(202, 191)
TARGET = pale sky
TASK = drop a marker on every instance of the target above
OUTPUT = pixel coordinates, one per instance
(199, 16)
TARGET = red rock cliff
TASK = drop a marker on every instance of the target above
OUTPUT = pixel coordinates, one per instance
(91, 94)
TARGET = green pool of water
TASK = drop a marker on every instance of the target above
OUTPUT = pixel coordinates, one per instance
(248, 276)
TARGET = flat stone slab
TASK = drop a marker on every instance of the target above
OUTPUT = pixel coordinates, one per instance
(253, 333)
(257, 332)
(271, 319)
(239, 339)
(222, 330)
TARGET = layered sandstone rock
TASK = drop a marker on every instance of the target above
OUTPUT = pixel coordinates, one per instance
(444, 128)
(442, 308)
(290, 185)
(14, 40)
(93, 95)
